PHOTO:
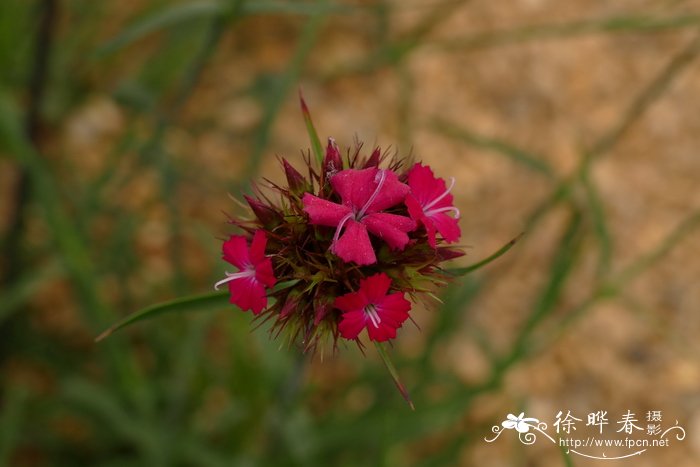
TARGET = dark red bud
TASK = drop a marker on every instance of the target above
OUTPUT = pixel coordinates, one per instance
(446, 253)
(289, 307)
(373, 160)
(267, 216)
(333, 161)
(321, 309)
(296, 181)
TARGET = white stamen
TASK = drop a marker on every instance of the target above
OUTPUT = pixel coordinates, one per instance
(238, 275)
(371, 311)
(338, 229)
(445, 209)
(436, 200)
(382, 177)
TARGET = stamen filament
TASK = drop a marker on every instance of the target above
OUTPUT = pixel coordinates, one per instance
(371, 311)
(436, 200)
(338, 229)
(445, 209)
(382, 177)
(234, 276)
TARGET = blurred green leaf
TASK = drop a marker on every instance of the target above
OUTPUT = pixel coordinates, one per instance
(311, 130)
(167, 17)
(531, 161)
(185, 12)
(201, 302)
(192, 303)
(494, 256)
(600, 225)
(15, 295)
(615, 24)
(12, 416)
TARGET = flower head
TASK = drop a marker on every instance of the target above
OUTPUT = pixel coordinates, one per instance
(429, 203)
(348, 254)
(372, 307)
(364, 194)
(247, 286)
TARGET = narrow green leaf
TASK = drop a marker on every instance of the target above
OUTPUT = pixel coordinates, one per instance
(615, 24)
(12, 418)
(190, 303)
(179, 305)
(534, 162)
(168, 17)
(394, 374)
(186, 12)
(285, 285)
(500, 252)
(313, 136)
(600, 225)
(20, 292)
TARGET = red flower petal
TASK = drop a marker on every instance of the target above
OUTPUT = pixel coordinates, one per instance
(236, 251)
(351, 301)
(390, 227)
(416, 212)
(425, 187)
(352, 323)
(324, 212)
(393, 309)
(356, 187)
(375, 288)
(265, 274)
(248, 294)
(354, 244)
(447, 226)
(257, 247)
(391, 193)
(380, 333)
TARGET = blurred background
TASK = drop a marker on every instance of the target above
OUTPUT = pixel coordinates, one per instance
(126, 128)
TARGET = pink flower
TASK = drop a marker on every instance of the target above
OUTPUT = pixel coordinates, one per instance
(364, 194)
(247, 287)
(429, 202)
(370, 307)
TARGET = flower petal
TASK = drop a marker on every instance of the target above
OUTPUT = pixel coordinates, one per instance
(257, 247)
(248, 294)
(352, 323)
(324, 212)
(447, 226)
(375, 288)
(393, 309)
(425, 187)
(351, 301)
(391, 193)
(390, 227)
(265, 274)
(354, 186)
(380, 333)
(354, 245)
(235, 251)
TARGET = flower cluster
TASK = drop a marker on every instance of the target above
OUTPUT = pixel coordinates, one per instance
(343, 248)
